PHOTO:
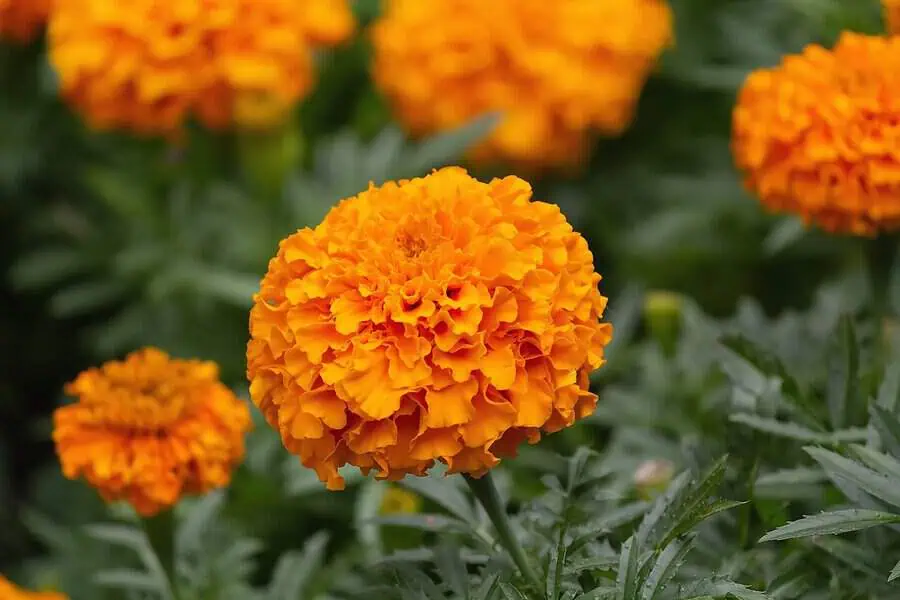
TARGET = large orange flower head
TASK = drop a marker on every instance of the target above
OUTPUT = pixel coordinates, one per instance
(148, 65)
(436, 319)
(556, 69)
(9, 591)
(819, 135)
(150, 429)
(22, 20)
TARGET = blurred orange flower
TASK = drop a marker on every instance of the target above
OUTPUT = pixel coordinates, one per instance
(556, 69)
(439, 318)
(150, 429)
(22, 20)
(9, 591)
(819, 135)
(148, 66)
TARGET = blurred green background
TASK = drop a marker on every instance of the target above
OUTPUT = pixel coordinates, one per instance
(111, 242)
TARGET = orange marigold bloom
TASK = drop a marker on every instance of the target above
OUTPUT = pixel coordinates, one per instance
(9, 591)
(819, 135)
(22, 20)
(439, 318)
(148, 65)
(151, 428)
(556, 69)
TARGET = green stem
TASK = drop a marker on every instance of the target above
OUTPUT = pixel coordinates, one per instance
(485, 491)
(160, 530)
(880, 255)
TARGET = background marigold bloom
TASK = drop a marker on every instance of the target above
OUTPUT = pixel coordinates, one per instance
(9, 591)
(22, 20)
(151, 428)
(556, 69)
(819, 135)
(148, 65)
(434, 319)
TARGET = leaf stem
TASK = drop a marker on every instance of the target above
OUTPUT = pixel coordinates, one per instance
(486, 492)
(881, 255)
(160, 530)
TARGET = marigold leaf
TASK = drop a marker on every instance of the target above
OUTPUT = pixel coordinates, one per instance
(667, 564)
(294, 570)
(594, 563)
(444, 492)
(129, 579)
(843, 372)
(452, 568)
(787, 429)
(831, 523)
(888, 427)
(870, 481)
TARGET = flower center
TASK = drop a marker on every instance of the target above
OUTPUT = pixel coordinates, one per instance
(146, 407)
(411, 245)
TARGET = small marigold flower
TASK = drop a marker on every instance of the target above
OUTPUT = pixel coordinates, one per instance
(148, 66)
(22, 20)
(556, 69)
(150, 429)
(398, 501)
(819, 135)
(439, 318)
(9, 591)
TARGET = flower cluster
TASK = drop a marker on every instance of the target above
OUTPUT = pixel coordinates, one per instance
(557, 70)
(819, 135)
(22, 20)
(148, 66)
(440, 318)
(151, 428)
(9, 591)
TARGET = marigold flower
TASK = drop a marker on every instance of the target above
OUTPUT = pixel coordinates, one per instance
(9, 591)
(22, 20)
(556, 69)
(439, 318)
(398, 501)
(819, 135)
(148, 66)
(150, 429)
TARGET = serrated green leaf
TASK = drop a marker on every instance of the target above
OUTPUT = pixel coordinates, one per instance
(627, 576)
(895, 572)
(697, 516)
(422, 522)
(789, 483)
(884, 464)
(796, 432)
(888, 428)
(770, 365)
(46, 267)
(598, 593)
(594, 563)
(664, 505)
(131, 580)
(294, 570)
(718, 588)
(451, 567)
(487, 588)
(868, 480)
(511, 593)
(607, 523)
(831, 523)
(843, 373)
(443, 492)
(555, 567)
(667, 564)
(86, 297)
(203, 512)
